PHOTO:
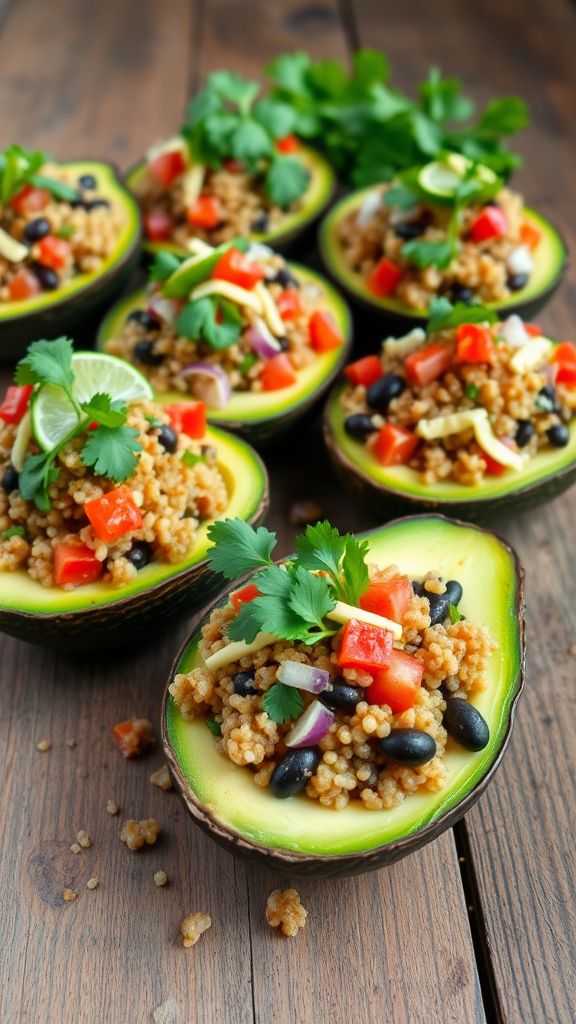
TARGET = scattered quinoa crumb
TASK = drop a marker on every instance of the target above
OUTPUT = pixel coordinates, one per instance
(284, 910)
(84, 839)
(303, 513)
(75, 848)
(70, 743)
(161, 778)
(44, 745)
(69, 895)
(133, 736)
(112, 807)
(92, 883)
(192, 928)
(160, 878)
(136, 833)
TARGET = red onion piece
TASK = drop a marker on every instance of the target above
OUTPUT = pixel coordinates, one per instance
(166, 309)
(311, 727)
(212, 383)
(261, 341)
(303, 677)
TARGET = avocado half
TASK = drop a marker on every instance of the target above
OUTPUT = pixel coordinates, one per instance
(550, 261)
(263, 417)
(386, 488)
(50, 314)
(79, 619)
(298, 836)
(319, 193)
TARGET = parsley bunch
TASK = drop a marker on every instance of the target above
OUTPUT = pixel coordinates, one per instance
(19, 167)
(224, 120)
(111, 446)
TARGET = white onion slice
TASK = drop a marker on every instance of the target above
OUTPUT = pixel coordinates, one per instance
(212, 384)
(311, 727)
(520, 261)
(261, 340)
(304, 677)
(513, 331)
(166, 309)
(369, 209)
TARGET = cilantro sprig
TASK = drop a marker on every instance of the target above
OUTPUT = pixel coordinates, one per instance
(443, 315)
(282, 702)
(20, 167)
(210, 319)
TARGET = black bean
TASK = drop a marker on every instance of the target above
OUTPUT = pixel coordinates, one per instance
(294, 771)
(342, 695)
(440, 603)
(244, 684)
(167, 438)
(515, 282)
(461, 293)
(454, 591)
(546, 398)
(37, 229)
(260, 223)
(558, 435)
(409, 746)
(146, 320)
(524, 432)
(382, 391)
(464, 723)
(144, 353)
(285, 278)
(409, 229)
(139, 554)
(359, 425)
(418, 588)
(48, 278)
(87, 181)
(9, 480)
(94, 204)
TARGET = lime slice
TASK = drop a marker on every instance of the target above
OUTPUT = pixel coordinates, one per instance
(442, 177)
(54, 416)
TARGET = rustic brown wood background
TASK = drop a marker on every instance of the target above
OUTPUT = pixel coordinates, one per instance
(480, 924)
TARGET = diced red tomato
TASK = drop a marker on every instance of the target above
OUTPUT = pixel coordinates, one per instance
(15, 403)
(30, 200)
(157, 225)
(75, 564)
(398, 683)
(565, 352)
(494, 468)
(566, 375)
(289, 304)
(114, 514)
(233, 166)
(53, 252)
(390, 598)
(188, 418)
(23, 285)
(235, 267)
(166, 167)
(491, 222)
(244, 595)
(530, 234)
(475, 344)
(278, 373)
(429, 363)
(533, 330)
(204, 213)
(384, 278)
(289, 144)
(364, 371)
(395, 445)
(324, 333)
(364, 646)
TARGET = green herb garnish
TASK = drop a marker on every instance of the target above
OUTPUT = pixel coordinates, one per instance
(443, 315)
(212, 320)
(191, 459)
(66, 231)
(214, 726)
(163, 266)
(282, 702)
(247, 363)
(19, 167)
(454, 613)
(472, 391)
(13, 531)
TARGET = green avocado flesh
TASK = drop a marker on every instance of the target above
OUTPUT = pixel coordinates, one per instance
(247, 407)
(109, 187)
(246, 482)
(406, 482)
(549, 262)
(488, 574)
(322, 183)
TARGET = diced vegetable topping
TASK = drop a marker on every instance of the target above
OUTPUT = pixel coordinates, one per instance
(384, 278)
(289, 144)
(289, 304)
(303, 677)
(206, 212)
(15, 403)
(278, 373)
(168, 166)
(395, 445)
(427, 364)
(244, 595)
(364, 646)
(30, 200)
(23, 285)
(364, 371)
(311, 727)
(491, 222)
(390, 597)
(157, 225)
(238, 269)
(398, 683)
(53, 252)
(475, 344)
(324, 334)
(75, 564)
(114, 514)
(530, 235)
(188, 418)
(493, 467)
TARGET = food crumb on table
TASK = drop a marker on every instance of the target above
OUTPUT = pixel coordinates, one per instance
(133, 736)
(70, 743)
(83, 838)
(192, 928)
(69, 895)
(92, 883)
(160, 878)
(136, 833)
(75, 848)
(303, 513)
(44, 745)
(112, 807)
(161, 778)
(284, 910)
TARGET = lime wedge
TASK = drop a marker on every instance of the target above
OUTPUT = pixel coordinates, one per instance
(441, 178)
(54, 416)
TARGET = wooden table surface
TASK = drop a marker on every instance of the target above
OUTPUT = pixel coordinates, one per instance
(480, 924)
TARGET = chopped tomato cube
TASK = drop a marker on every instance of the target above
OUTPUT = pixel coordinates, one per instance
(364, 371)
(30, 200)
(289, 144)
(23, 285)
(188, 418)
(384, 278)
(233, 166)
(166, 167)
(390, 598)
(491, 222)
(364, 646)
(475, 344)
(530, 234)
(565, 352)
(278, 373)
(53, 252)
(204, 213)
(15, 403)
(289, 304)
(398, 683)
(324, 334)
(395, 445)
(566, 374)
(133, 736)
(75, 564)
(429, 363)
(533, 330)
(114, 514)
(157, 225)
(244, 595)
(235, 267)
(493, 467)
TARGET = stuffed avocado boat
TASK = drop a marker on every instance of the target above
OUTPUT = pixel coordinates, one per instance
(235, 169)
(345, 707)
(449, 228)
(69, 238)
(257, 339)
(105, 498)
(475, 415)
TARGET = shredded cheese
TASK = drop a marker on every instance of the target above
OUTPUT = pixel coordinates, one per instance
(270, 310)
(11, 249)
(20, 446)
(238, 649)
(478, 420)
(343, 613)
(531, 355)
(232, 292)
(192, 181)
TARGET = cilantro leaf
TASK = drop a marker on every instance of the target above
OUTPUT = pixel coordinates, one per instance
(286, 180)
(249, 141)
(471, 391)
(163, 266)
(442, 98)
(430, 254)
(504, 116)
(454, 613)
(111, 452)
(198, 321)
(245, 625)
(35, 479)
(13, 531)
(233, 88)
(354, 568)
(400, 196)
(282, 702)
(103, 410)
(16, 166)
(191, 459)
(310, 597)
(444, 315)
(238, 548)
(47, 362)
(321, 547)
(276, 117)
(214, 726)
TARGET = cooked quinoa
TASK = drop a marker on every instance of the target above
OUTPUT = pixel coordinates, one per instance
(137, 833)
(193, 926)
(284, 910)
